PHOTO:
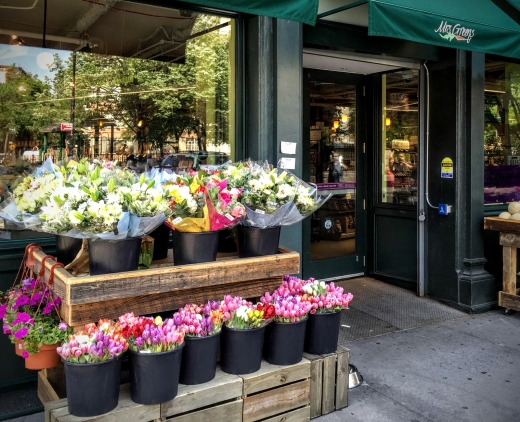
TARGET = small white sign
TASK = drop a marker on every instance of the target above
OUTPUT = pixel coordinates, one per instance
(229, 216)
(289, 148)
(287, 163)
(177, 220)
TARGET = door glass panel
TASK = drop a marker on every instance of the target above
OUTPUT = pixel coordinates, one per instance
(400, 137)
(333, 168)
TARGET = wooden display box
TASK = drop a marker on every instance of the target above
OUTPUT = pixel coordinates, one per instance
(165, 287)
(329, 381)
(278, 393)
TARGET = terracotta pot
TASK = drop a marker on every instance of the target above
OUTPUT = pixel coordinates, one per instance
(45, 358)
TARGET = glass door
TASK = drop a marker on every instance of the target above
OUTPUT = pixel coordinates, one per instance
(333, 238)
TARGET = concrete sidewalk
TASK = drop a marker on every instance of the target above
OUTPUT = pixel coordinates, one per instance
(466, 369)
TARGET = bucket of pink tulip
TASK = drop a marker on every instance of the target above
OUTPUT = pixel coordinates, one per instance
(285, 336)
(155, 351)
(92, 360)
(327, 301)
(202, 325)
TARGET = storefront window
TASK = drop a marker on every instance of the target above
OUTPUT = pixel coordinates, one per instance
(502, 132)
(128, 82)
(400, 120)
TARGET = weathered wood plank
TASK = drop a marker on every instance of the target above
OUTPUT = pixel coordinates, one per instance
(76, 315)
(82, 290)
(126, 410)
(316, 383)
(46, 393)
(50, 406)
(509, 270)
(502, 225)
(231, 411)
(342, 371)
(329, 383)
(271, 376)
(299, 415)
(510, 239)
(509, 301)
(190, 397)
(277, 400)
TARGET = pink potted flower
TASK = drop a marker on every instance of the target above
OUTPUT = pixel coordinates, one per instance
(202, 324)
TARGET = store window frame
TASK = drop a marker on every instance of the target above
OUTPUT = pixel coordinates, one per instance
(378, 132)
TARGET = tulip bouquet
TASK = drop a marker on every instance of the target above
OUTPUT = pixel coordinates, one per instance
(200, 320)
(150, 335)
(289, 305)
(242, 314)
(95, 343)
(325, 298)
(30, 314)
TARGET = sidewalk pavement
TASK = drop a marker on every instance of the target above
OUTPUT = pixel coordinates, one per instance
(466, 369)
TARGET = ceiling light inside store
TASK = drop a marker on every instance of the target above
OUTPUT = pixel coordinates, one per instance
(388, 121)
(344, 118)
(336, 124)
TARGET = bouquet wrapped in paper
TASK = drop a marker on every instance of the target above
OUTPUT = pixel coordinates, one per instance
(224, 207)
(187, 198)
(271, 196)
(30, 196)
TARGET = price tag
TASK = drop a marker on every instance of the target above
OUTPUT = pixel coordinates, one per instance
(229, 217)
(260, 211)
(177, 220)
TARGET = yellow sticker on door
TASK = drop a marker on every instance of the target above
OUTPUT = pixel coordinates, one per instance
(447, 168)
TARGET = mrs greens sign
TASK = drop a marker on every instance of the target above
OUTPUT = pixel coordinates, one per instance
(457, 32)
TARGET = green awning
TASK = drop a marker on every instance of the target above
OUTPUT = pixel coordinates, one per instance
(475, 25)
(304, 11)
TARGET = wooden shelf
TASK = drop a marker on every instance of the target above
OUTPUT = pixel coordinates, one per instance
(509, 297)
(165, 287)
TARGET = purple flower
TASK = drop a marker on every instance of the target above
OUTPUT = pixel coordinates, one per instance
(3, 308)
(63, 326)
(48, 309)
(22, 318)
(6, 328)
(21, 301)
(25, 355)
(21, 333)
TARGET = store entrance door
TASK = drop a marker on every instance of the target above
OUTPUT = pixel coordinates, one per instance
(334, 240)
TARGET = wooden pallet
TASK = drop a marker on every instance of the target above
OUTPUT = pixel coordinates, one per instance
(166, 287)
(278, 393)
(509, 297)
(329, 381)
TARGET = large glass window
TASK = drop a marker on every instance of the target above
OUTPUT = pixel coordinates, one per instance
(400, 121)
(114, 80)
(502, 132)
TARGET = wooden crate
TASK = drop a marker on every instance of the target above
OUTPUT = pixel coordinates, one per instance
(278, 393)
(166, 287)
(509, 297)
(217, 400)
(329, 381)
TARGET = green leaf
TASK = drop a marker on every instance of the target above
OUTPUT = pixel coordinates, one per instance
(142, 179)
(78, 215)
(150, 184)
(111, 185)
(85, 189)
(58, 200)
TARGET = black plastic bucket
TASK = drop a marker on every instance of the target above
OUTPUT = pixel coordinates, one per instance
(161, 241)
(92, 388)
(154, 377)
(226, 241)
(67, 248)
(113, 256)
(199, 359)
(283, 344)
(193, 248)
(322, 333)
(254, 241)
(241, 350)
